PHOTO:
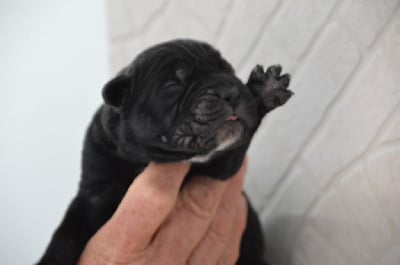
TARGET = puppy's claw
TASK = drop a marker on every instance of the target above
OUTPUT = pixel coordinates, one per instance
(274, 71)
(285, 80)
(258, 68)
(257, 74)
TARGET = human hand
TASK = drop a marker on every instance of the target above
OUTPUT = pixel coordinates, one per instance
(157, 222)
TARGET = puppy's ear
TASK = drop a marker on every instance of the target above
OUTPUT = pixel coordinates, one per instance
(115, 90)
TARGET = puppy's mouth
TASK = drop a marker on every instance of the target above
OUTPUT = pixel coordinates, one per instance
(227, 136)
(229, 132)
(232, 118)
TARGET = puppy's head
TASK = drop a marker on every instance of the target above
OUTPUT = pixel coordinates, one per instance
(180, 100)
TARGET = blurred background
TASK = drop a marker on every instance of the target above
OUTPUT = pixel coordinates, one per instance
(53, 63)
(324, 170)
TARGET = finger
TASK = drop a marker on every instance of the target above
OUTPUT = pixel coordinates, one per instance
(189, 220)
(212, 245)
(148, 201)
(231, 252)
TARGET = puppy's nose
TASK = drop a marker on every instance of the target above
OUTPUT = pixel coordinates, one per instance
(229, 95)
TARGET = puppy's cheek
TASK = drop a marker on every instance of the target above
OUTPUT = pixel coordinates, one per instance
(248, 114)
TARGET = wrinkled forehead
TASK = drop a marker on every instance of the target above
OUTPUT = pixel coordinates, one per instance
(180, 60)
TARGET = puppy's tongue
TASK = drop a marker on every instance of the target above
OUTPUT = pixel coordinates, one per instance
(232, 118)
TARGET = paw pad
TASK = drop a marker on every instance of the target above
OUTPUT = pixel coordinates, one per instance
(270, 85)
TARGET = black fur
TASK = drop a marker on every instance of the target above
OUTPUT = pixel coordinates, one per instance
(178, 100)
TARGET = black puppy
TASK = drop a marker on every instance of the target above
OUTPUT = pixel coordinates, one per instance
(178, 100)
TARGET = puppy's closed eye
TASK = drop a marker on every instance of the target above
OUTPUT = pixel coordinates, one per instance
(170, 94)
(172, 90)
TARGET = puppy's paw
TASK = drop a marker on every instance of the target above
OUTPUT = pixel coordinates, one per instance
(270, 86)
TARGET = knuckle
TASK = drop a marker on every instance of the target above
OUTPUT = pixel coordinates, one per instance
(199, 200)
(217, 238)
(221, 227)
(166, 254)
(154, 199)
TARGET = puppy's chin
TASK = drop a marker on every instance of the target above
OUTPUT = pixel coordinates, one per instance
(228, 135)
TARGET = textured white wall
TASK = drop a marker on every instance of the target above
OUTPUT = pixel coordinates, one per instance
(325, 169)
(53, 63)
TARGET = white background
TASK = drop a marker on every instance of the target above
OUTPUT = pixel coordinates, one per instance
(53, 63)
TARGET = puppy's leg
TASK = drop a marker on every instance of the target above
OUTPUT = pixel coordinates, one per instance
(270, 87)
